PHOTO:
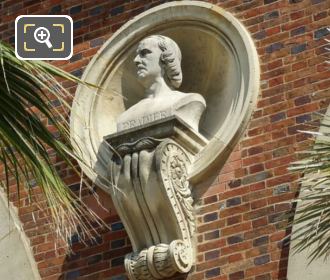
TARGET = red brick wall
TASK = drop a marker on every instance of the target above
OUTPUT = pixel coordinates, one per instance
(240, 228)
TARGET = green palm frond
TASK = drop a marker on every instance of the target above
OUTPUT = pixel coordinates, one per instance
(27, 147)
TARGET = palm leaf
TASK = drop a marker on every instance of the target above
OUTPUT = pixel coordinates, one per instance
(312, 219)
(26, 92)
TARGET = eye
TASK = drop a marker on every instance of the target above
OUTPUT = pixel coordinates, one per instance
(144, 52)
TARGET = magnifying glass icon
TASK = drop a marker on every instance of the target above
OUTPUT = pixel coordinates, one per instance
(41, 35)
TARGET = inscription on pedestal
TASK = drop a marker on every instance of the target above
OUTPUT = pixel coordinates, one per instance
(143, 120)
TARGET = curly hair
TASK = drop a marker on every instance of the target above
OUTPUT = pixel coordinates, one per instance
(171, 58)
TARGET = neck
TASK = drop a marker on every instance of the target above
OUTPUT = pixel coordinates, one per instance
(156, 88)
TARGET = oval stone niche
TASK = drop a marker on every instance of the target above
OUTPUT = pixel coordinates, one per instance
(219, 61)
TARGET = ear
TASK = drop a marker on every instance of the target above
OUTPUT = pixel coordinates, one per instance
(162, 58)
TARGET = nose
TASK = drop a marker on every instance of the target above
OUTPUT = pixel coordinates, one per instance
(137, 60)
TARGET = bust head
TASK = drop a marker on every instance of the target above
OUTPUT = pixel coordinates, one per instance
(159, 56)
(158, 62)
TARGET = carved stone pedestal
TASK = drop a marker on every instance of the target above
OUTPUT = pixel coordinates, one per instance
(152, 195)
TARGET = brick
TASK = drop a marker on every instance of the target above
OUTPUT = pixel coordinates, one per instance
(298, 48)
(211, 245)
(258, 203)
(78, 73)
(277, 117)
(281, 189)
(235, 239)
(321, 33)
(271, 15)
(117, 10)
(274, 218)
(320, 15)
(281, 198)
(274, 73)
(210, 199)
(119, 277)
(274, 47)
(96, 11)
(269, 1)
(273, 30)
(94, 250)
(77, 24)
(283, 207)
(258, 213)
(212, 235)
(76, 57)
(299, 65)
(96, 42)
(233, 201)
(234, 220)
(257, 223)
(210, 217)
(261, 269)
(259, 35)
(255, 150)
(117, 226)
(94, 259)
(212, 255)
(275, 64)
(212, 272)
(236, 248)
(262, 260)
(117, 243)
(55, 10)
(297, 23)
(256, 178)
(235, 258)
(235, 192)
(297, 14)
(210, 226)
(72, 274)
(256, 168)
(263, 277)
(117, 261)
(75, 9)
(260, 241)
(281, 179)
(206, 209)
(282, 152)
(235, 229)
(298, 31)
(237, 275)
(302, 100)
(253, 21)
(257, 193)
(113, 254)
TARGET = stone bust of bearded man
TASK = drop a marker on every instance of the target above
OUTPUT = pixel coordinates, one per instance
(158, 62)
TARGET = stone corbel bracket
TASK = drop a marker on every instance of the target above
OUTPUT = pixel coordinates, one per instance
(155, 201)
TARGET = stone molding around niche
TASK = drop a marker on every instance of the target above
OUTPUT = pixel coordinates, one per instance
(219, 61)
